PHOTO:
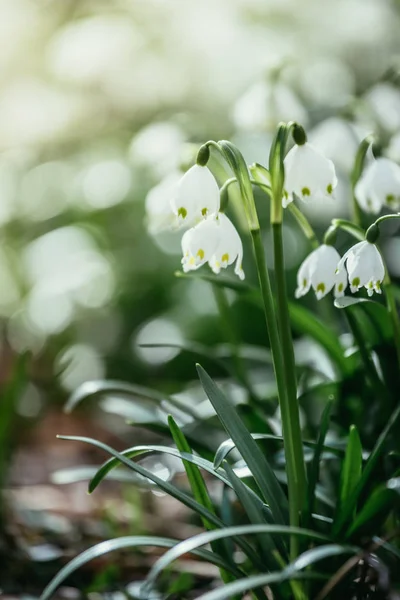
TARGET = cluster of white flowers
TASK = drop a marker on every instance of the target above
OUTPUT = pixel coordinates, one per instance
(324, 270)
(193, 200)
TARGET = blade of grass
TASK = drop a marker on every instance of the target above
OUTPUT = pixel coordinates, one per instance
(251, 453)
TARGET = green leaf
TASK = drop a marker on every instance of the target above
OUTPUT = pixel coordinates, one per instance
(118, 544)
(351, 470)
(376, 509)
(306, 322)
(228, 445)
(372, 317)
(292, 571)
(369, 467)
(165, 486)
(112, 463)
(199, 490)
(315, 465)
(251, 453)
(255, 514)
(201, 539)
(85, 473)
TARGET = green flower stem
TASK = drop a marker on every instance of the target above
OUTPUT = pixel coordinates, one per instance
(304, 225)
(289, 411)
(356, 174)
(355, 230)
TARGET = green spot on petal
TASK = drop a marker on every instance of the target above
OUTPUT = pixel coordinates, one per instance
(225, 257)
(305, 191)
(321, 287)
(182, 212)
(204, 211)
(356, 282)
(329, 188)
(200, 253)
(390, 198)
(340, 287)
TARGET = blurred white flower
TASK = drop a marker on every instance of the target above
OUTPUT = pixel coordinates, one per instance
(364, 266)
(196, 196)
(318, 271)
(393, 150)
(338, 140)
(308, 175)
(264, 104)
(384, 100)
(229, 248)
(379, 185)
(215, 240)
(159, 214)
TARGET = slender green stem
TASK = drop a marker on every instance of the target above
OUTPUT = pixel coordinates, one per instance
(290, 422)
(304, 225)
(386, 217)
(348, 226)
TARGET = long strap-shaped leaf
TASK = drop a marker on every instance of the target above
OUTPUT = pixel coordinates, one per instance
(251, 453)
(202, 539)
(170, 489)
(120, 544)
(292, 571)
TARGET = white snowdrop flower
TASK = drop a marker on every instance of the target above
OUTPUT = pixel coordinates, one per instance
(338, 140)
(199, 244)
(319, 271)
(197, 195)
(364, 267)
(229, 248)
(379, 185)
(159, 214)
(308, 175)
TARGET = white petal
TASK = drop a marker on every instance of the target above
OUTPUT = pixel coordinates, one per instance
(199, 244)
(229, 248)
(308, 173)
(365, 267)
(323, 277)
(378, 185)
(304, 274)
(197, 195)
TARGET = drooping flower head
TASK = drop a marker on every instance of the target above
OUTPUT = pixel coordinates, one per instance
(308, 175)
(319, 272)
(196, 196)
(379, 185)
(364, 267)
(229, 248)
(214, 240)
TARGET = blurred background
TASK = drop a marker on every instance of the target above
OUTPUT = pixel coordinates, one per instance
(101, 103)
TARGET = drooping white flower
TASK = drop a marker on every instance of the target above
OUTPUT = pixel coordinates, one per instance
(379, 185)
(159, 214)
(199, 244)
(214, 240)
(308, 175)
(196, 197)
(364, 267)
(319, 271)
(229, 248)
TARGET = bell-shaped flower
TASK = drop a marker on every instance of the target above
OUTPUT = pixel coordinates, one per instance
(196, 196)
(364, 267)
(199, 244)
(229, 248)
(379, 185)
(308, 175)
(159, 215)
(319, 271)
(213, 240)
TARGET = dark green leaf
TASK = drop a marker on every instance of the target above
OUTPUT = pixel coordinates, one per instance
(351, 471)
(251, 453)
(376, 509)
(315, 465)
